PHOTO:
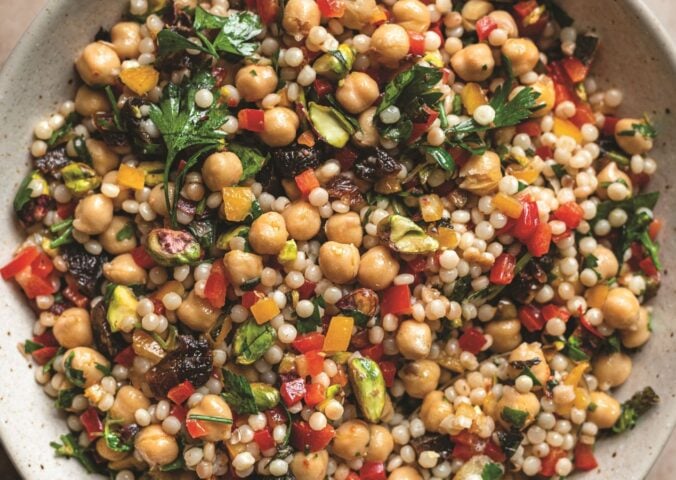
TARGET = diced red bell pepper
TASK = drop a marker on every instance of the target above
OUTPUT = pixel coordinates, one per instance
(307, 181)
(42, 266)
(126, 357)
(421, 127)
(540, 240)
(648, 267)
(372, 471)
(418, 264)
(529, 26)
(374, 352)
(180, 412)
(416, 43)
(654, 228)
(331, 8)
(576, 70)
(569, 213)
(550, 311)
(352, 476)
(305, 439)
(467, 445)
(527, 222)
(322, 87)
(548, 463)
(250, 298)
(72, 293)
(181, 392)
(544, 152)
(502, 271)
(494, 452)
(43, 355)
(563, 94)
(292, 391)
(609, 124)
(531, 318)
(396, 300)
(268, 10)
(389, 370)
(589, 327)
(22, 260)
(276, 416)
(33, 285)
(309, 341)
(264, 439)
(91, 423)
(531, 128)
(472, 340)
(314, 361)
(142, 257)
(251, 119)
(217, 285)
(484, 27)
(195, 428)
(307, 290)
(47, 339)
(584, 457)
(315, 394)
(65, 210)
(583, 114)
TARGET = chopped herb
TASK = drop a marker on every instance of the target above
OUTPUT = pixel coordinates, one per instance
(60, 134)
(529, 373)
(510, 441)
(80, 146)
(177, 464)
(70, 448)
(24, 194)
(457, 105)
(112, 99)
(103, 369)
(238, 33)
(237, 392)
(442, 157)
(574, 350)
(633, 408)
(310, 324)
(516, 417)
(252, 159)
(30, 346)
(65, 397)
(126, 232)
(113, 439)
(49, 366)
(645, 128)
(492, 291)
(491, 471)
(209, 418)
(75, 376)
(461, 289)
(559, 170)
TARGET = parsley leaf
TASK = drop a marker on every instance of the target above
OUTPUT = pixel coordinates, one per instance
(113, 439)
(574, 350)
(65, 397)
(237, 33)
(61, 134)
(237, 392)
(491, 471)
(23, 193)
(125, 232)
(75, 376)
(30, 346)
(644, 128)
(633, 408)
(442, 157)
(516, 417)
(252, 159)
(492, 291)
(310, 324)
(70, 448)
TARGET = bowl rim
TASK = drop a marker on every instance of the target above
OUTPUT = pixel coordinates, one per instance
(54, 8)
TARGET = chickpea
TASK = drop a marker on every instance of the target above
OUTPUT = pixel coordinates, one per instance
(473, 11)
(358, 13)
(474, 63)
(612, 370)
(545, 87)
(629, 139)
(302, 220)
(310, 466)
(155, 446)
(420, 377)
(98, 64)
(339, 261)
(93, 214)
(86, 359)
(637, 337)
(357, 91)
(380, 445)
(214, 406)
(88, 101)
(607, 410)
(107, 453)
(157, 201)
(621, 309)
(254, 82)
(607, 265)
(352, 439)
(527, 352)
(280, 125)
(127, 400)
(300, 16)
(125, 271)
(344, 228)
(73, 328)
(434, 409)
(506, 334)
(525, 402)
(413, 15)
(197, 313)
(242, 267)
(221, 169)
(378, 268)
(404, 473)
(523, 54)
(367, 136)
(505, 22)
(126, 37)
(390, 44)
(268, 234)
(611, 173)
(482, 173)
(103, 158)
(414, 339)
(109, 241)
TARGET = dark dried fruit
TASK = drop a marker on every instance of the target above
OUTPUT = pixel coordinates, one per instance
(534, 275)
(341, 187)
(35, 210)
(52, 162)
(434, 442)
(294, 159)
(105, 340)
(270, 181)
(375, 164)
(111, 135)
(86, 269)
(132, 118)
(191, 361)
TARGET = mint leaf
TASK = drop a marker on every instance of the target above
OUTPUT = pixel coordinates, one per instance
(237, 392)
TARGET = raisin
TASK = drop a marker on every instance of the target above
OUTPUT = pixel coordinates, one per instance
(86, 269)
(374, 164)
(35, 210)
(53, 161)
(294, 159)
(341, 187)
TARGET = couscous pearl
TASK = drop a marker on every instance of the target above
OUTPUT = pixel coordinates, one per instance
(613, 98)
(484, 115)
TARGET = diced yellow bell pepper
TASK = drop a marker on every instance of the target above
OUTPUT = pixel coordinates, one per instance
(140, 80)
(338, 335)
(582, 398)
(448, 238)
(527, 175)
(264, 310)
(473, 97)
(237, 203)
(431, 207)
(596, 296)
(507, 205)
(131, 177)
(434, 58)
(566, 127)
(575, 375)
(378, 15)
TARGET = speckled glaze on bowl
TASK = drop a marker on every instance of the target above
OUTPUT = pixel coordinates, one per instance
(636, 56)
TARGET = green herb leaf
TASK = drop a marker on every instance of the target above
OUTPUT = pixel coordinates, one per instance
(207, 21)
(510, 441)
(516, 417)
(75, 376)
(574, 349)
(252, 159)
(125, 232)
(60, 135)
(209, 418)
(113, 439)
(30, 346)
(442, 157)
(252, 341)
(237, 34)
(646, 200)
(633, 408)
(170, 42)
(461, 289)
(419, 77)
(492, 291)
(65, 397)
(70, 448)
(529, 373)
(80, 146)
(491, 471)
(237, 392)
(23, 194)
(310, 324)
(176, 465)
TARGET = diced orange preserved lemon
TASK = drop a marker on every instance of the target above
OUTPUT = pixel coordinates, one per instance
(140, 80)
(473, 97)
(237, 202)
(507, 205)
(264, 310)
(596, 296)
(527, 175)
(448, 238)
(582, 398)
(431, 207)
(338, 335)
(378, 16)
(566, 127)
(131, 177)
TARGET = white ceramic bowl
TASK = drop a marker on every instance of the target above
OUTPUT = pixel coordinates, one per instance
(636, 56)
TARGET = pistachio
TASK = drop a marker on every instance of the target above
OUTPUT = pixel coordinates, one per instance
(80, 178)
(252, 341)
(362, 300)
(223, 241)
(289, 252)
(481, 174)
(170, 248)
(335, 64)
(368, 385)
(330, 124)
(154, 172)
(265, 396)
(403, 235)
(122, 305)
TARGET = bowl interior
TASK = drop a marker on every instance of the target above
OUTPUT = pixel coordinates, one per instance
(635, 56)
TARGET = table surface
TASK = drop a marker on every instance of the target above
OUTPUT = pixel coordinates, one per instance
(17, 17)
